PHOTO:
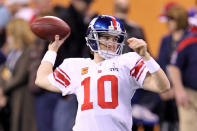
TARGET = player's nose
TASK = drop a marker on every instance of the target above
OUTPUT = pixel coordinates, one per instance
(112, 46)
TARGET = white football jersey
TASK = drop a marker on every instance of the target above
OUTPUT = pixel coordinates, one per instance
(104, 90)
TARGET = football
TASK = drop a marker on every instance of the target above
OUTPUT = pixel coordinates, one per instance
(48, 26)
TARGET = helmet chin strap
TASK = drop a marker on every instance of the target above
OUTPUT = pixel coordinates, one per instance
(107, 54)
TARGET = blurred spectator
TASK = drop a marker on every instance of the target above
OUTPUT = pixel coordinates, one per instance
(4, 108)
(14, 75)
(45, 102)
(77, 15)
(177, 23)
(183, 74)
(21, 9)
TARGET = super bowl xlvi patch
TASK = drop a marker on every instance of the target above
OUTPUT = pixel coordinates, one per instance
(114, 68)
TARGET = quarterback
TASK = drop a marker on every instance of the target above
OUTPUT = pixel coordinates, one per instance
(105, 85)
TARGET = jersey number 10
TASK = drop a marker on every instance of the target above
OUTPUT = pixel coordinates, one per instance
(101, 93)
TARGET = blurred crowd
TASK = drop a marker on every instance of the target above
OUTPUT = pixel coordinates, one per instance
(25, 107)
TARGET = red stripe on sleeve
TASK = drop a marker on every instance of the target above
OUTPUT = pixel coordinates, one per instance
(58, 80)
(64, 73)
(140, 73)
(135, 66)
(61, 76)
(137, 69)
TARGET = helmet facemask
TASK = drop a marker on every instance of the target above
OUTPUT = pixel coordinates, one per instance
(107, 53)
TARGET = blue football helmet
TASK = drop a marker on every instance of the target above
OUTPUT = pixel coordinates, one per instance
(106, 24)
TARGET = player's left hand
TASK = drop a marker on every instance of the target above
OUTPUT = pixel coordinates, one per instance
(140, 47)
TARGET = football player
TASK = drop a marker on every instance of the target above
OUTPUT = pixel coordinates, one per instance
(105, 85)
